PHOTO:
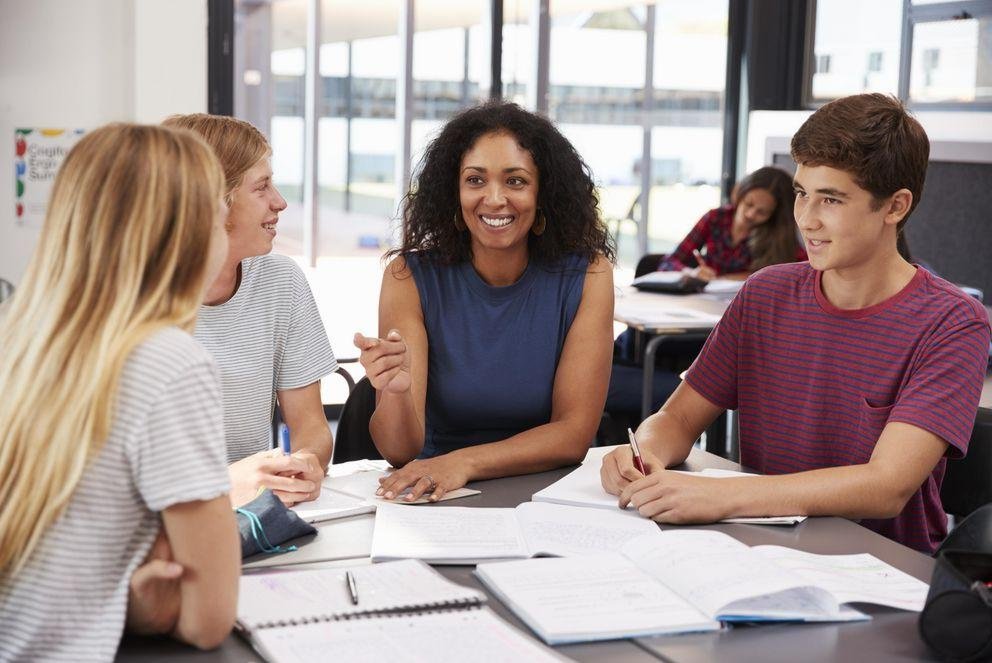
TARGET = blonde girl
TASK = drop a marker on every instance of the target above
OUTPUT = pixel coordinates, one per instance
(110, 423)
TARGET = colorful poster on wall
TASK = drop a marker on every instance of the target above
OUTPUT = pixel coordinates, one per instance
(38, 153)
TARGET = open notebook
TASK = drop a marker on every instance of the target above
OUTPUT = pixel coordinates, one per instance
(689, 580)
(465, 535)
(582, 487)
(403, 607)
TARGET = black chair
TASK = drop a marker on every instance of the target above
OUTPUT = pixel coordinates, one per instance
(973, 534)
(6, 289)
(353, 440)
(968, 481)
(648, 263)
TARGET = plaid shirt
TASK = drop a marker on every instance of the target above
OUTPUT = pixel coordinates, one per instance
(711, 236)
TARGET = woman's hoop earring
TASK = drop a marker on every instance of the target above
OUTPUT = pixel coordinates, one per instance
(460, 223)
(540, 225)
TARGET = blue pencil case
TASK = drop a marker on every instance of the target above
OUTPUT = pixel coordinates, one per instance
(265, 523)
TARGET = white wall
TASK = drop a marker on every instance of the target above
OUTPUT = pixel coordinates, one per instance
(83, 63)
(961, 126)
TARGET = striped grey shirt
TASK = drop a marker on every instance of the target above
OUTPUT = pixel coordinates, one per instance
(267, 337)
(165, 447)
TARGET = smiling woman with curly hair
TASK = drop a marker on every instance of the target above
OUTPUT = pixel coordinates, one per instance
(494, 358)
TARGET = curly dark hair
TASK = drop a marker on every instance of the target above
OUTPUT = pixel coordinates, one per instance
(566, 193)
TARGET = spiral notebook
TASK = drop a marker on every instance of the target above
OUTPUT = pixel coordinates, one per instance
(406, 610)
(301, 597)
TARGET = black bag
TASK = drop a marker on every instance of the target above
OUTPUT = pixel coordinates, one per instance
(265, 522)
(674, 283)
(956, 622)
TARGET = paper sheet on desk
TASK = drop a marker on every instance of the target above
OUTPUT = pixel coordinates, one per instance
(582, 487)
(363, 484)
(650, 313)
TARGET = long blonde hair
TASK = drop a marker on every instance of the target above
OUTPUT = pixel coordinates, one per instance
(123, 253)
(237, 144)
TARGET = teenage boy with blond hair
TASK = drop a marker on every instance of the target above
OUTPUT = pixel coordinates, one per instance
(855, 375)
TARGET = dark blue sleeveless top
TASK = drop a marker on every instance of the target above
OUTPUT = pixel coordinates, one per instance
(493, 351)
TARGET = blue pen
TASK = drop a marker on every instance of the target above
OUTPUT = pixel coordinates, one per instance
(284, 440)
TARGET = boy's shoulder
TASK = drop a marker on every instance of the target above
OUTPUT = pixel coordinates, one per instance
(939, 294)
(790, 277)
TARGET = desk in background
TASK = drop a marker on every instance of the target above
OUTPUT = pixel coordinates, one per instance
(890, 636)
(656, 318)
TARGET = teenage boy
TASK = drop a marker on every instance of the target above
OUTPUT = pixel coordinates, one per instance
(854, 375)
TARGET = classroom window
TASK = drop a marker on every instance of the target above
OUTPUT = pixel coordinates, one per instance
(875, 61)
(952, 61)
(856, 47)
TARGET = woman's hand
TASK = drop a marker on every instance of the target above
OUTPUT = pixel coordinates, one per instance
(433, 476)
(703, 272)
(283, 475)
(677, 498)
(153, 597)
(386, 361)
(618, 471)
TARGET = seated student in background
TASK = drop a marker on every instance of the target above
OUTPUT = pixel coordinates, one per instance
(110, 425)
(260, 322)
(855, 375)
(495, 316)
(756, 230)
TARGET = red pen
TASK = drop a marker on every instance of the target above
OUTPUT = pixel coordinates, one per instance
(638, 463)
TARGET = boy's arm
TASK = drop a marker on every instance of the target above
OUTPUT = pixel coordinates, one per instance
(665, 438)
(901, 461)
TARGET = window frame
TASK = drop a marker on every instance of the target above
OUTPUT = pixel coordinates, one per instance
(912, 15)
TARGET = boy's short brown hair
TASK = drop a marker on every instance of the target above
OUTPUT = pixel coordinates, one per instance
(871, 137)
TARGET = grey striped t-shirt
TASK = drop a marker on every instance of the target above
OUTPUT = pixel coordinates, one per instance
(166, 446)
(267, 337)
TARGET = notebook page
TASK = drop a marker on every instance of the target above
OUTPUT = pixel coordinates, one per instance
(446, 534)
(589, 598)
(582, 486)
(556, 529)
(445, 637)
(714, 572)
(280, 597)
(853, 578)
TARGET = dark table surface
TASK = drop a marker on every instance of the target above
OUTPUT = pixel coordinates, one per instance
(890, 636)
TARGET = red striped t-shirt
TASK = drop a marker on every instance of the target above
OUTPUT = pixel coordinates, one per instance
(815, 385)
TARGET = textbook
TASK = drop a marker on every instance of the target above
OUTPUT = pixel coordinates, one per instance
(583, 487)
(314, 615)
(465, 535)
(679, 581)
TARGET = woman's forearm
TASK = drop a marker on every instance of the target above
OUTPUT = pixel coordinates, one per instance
(396, 429)
(547, 447)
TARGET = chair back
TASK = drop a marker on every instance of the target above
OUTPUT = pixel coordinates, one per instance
(968, 481)
(973, 534)
(353, 440)
(648, 263)
(6, 289)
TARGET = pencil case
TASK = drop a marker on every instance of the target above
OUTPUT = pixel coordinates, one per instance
(265, 523)
(956, 622)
